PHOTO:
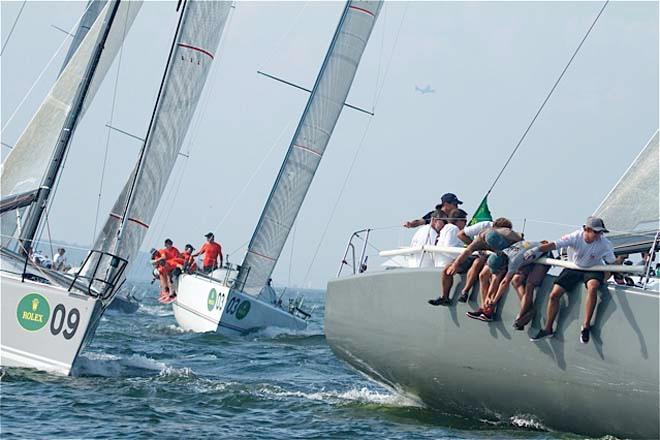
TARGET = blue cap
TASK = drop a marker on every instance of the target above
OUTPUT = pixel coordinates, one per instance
(450, 198)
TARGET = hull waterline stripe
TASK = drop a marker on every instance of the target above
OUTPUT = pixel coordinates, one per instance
(307, 149)
(262, 255)
(198, 49)
(362, 10)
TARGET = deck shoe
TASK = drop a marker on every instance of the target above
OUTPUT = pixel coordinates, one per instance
(475, 314)
(517, 325)
(584, 335)
(435, 302)
(541, 334)
(463, 298)
(486, 317)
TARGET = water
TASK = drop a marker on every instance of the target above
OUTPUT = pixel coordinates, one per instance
(144, 376)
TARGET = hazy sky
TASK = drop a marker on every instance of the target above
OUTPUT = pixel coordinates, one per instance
(491, 65)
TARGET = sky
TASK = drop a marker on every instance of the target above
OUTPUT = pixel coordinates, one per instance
(491, 65)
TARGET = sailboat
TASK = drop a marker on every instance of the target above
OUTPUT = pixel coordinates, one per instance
(48, 317)
(239, 299)
(607, 387)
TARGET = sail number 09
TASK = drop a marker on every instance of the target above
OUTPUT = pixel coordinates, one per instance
(58, 320)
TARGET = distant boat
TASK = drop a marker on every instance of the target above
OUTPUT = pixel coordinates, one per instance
(239, 299)
(48, 316)
(424, 90)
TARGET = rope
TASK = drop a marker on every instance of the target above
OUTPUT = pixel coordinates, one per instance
(34, 84)
(357, 152)
(107, 138)
(522, 138)
(11, 31)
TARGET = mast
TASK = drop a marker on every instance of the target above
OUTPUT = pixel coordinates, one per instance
(36, 212)
(306, 149)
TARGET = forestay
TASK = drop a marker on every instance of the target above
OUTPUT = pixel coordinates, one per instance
(630, 210)
(194, 48)
(25, 167)
(309, 142)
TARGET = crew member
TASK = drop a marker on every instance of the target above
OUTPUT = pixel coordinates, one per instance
(212, 254)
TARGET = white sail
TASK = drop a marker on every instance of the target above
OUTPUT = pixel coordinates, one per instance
(194, 48)
(309, 142)
(24, 168)
(630, 210)
(92, 12)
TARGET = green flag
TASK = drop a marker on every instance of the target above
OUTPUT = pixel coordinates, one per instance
(482, 213)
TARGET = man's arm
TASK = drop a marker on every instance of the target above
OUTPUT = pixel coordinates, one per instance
(463, 237)
(451, 270)
(503, 286)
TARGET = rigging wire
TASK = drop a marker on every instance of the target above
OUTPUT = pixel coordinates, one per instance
(34, 84)
(538, 112)
(107, 138)
(11, 31)
(357, 151)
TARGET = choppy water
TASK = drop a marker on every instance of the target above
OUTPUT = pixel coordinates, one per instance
(144, 376)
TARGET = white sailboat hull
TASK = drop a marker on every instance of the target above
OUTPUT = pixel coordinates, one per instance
(207, 305)
(44, 326)
(381, 324)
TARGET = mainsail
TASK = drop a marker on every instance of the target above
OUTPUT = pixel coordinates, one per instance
(630, 210)
(92, 12)
(34, 155)
(194, 47)
(308, 144)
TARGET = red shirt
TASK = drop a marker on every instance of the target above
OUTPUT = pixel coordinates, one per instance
(169, 253)
(211, 250)
(192, 266)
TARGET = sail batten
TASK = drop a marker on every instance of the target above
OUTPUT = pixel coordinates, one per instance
(309, 142)
(197, 38)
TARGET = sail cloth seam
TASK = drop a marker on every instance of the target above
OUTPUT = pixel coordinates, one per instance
(538, 112)
(198, 49)
(309, 150)
(261, 255)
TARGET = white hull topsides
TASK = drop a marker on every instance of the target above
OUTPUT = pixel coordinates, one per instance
(207, 305)
(44, 326)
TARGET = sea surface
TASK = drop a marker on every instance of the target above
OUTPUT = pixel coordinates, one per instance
(143, 376)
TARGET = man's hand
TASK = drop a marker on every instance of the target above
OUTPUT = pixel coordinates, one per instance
(451, 270)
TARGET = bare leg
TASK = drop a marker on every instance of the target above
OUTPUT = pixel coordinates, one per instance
(473, 275)
(447, 283)
(590, 304)
(518, 284)
(527, 299)
(553, 306)
(484, 282)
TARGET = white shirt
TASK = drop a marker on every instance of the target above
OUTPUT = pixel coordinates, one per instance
(474, 230)
(59, 261)
(424, 235)
(448, 237)
(587, 254)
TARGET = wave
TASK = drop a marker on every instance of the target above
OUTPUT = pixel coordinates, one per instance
(281, 332)
(362, 395)
(156, 310)
(107, 365)
(527, 421)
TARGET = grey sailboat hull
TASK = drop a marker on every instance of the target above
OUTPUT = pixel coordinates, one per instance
(380, 323)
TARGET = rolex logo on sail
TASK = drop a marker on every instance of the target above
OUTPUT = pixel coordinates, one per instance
(33, 312)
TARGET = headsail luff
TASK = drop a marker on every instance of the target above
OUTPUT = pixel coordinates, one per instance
(308, 144)
(193, 50)
(92, 12)
(630, 210)
(50, 130)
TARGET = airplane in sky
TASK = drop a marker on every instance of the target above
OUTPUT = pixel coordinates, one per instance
(425, 90)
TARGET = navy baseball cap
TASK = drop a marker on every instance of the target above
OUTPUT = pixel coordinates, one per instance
(451, 198)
